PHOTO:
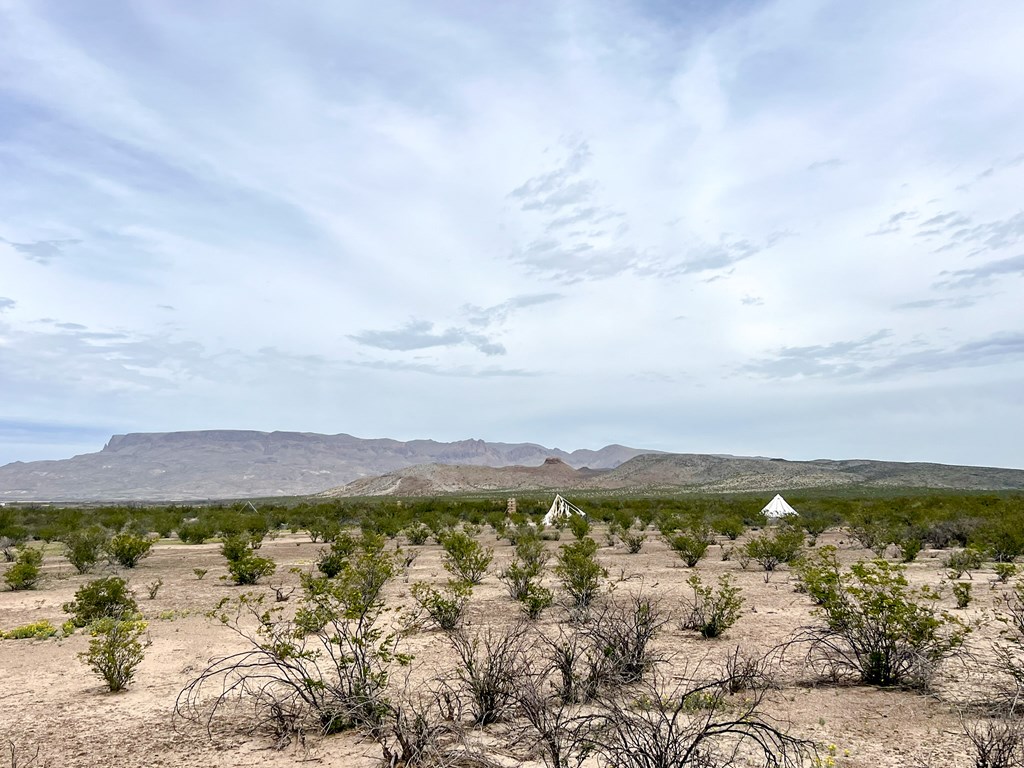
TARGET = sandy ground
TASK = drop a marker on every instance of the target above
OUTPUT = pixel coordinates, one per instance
(50, 701)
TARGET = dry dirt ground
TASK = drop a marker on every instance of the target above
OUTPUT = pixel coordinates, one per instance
(52, 707)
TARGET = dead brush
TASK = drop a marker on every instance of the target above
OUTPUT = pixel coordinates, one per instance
(490, 670)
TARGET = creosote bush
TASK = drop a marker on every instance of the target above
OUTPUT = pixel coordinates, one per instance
(579, 571)
(85, 547)
(713, 611)
(100, 599)
(326, 669)
(115, 650)
(245, 567)
(464, 557)
(878, 629)
(690, 545)
(27, 569)
(127, 549)
(445, 607)
(775, 548)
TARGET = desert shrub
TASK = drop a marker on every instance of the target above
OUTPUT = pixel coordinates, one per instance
(200, 573)
(445, 607)
(818, 573)
(909, 547)
(115, 650)
(962, 594)
(879, 629)
(772, 549)
(997, 742)
(322, 529)
(330, 562)
(99, 599)
(518, 577)
(1004, 571)
(327, 668)
(730, 526)
(690, 545)
(536, 600)
(634, 540)
(713, 611)
(579, 526)
(153, 587)
(465, 558)
(530, 550)
(579, 571)
(27, 569)
(692, 724)
(127, 548)
(37, 630)
(194, 532)
(490, 670)
(420, 731)
(963, 561)
(815, 522)
(245, 567)
(417, 534)
(1003, 539)
(553, 725)
(84, 547)
(623, 632)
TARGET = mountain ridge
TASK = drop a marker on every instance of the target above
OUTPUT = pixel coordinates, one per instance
(211, 464)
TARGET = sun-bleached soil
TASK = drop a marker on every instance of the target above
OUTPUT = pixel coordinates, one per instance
(54, 709)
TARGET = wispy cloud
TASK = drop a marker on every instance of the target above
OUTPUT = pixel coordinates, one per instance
(984, 273)
(420, 334)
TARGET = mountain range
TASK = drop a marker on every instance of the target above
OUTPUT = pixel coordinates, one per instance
(227, 464)
(683, 472)
(221, 464)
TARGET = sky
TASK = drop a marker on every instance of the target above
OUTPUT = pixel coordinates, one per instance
(789, 228)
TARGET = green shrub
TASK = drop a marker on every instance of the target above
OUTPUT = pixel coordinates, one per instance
(38, 630)
(99, 599)
(772, 549)
(730, 526)
(417, 534)
(879, 629)
(579, 571)
(962, 594)
(196, 532)
(532, 552)
(713, 611)
(819, 574)
(446, 607)
(465, 558)
(963, 561)
(27, 569)
(250, 568)
(536, 600)
(634, 540)
(127, 548)
(84, 547)
(114, 650)
(691, 545)
(579, 525)
(1004, 571)
(517, 578)
(909, 547)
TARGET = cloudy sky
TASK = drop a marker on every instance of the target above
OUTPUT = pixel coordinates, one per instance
(790, 228)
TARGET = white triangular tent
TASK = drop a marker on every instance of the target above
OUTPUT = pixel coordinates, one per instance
(560, 508)
(778, 507)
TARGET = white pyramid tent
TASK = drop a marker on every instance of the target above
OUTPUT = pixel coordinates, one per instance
(561, 509)
(778, 507)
